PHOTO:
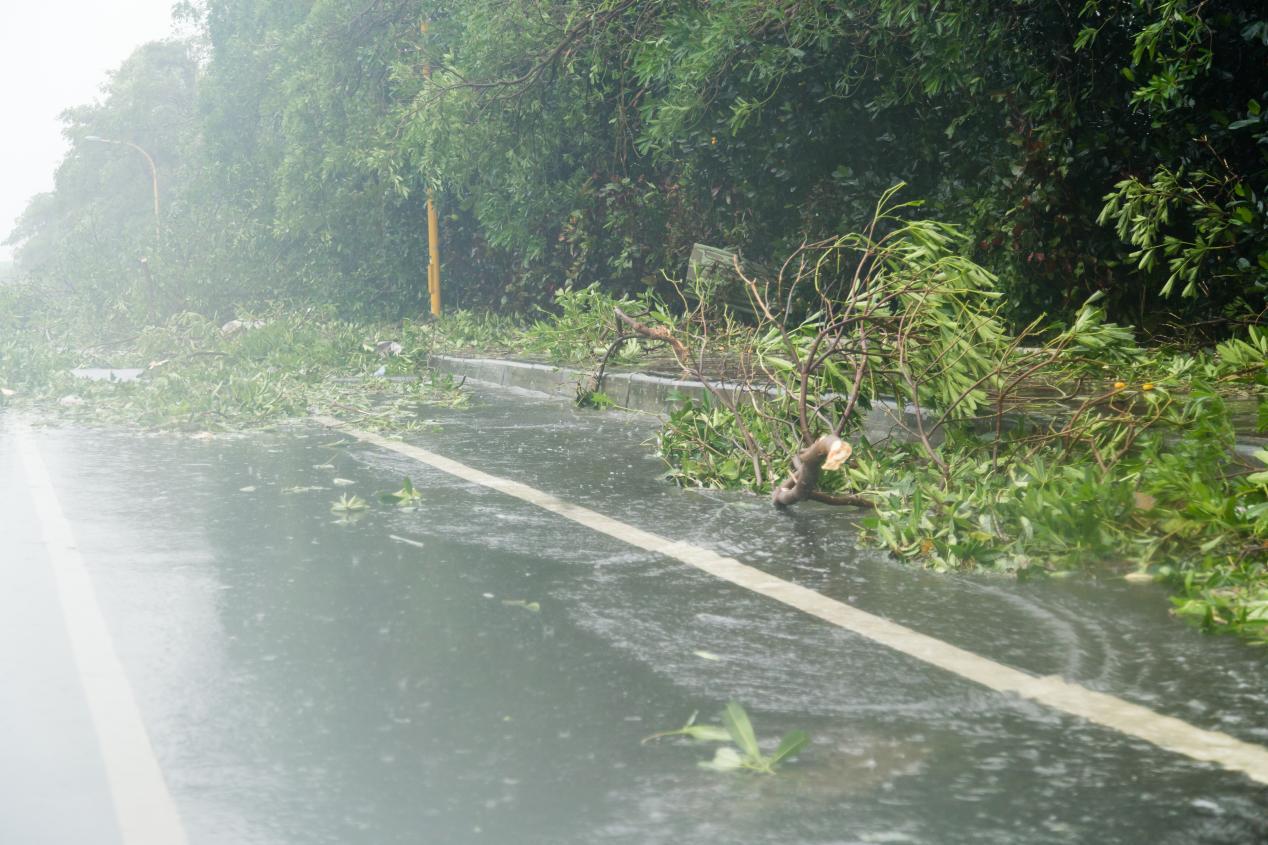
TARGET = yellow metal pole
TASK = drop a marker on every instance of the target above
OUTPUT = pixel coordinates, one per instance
(433, 255)
(433, 225)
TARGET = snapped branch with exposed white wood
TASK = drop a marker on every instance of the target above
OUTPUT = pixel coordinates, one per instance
(828, 452)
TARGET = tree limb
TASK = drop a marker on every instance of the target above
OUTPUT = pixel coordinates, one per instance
(828, 452)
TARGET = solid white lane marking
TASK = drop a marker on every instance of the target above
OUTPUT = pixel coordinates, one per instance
(1103, 709)
(143, 806)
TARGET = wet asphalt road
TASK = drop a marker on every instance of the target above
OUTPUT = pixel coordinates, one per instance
(478, 670)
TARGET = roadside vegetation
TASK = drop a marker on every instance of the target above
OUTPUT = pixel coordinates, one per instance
(1070, 320)
(1062, 447)
(272, 366)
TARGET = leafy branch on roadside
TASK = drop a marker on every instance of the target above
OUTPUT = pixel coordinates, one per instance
(1050, 448)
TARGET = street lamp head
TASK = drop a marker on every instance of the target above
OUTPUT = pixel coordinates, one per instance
(153, 175)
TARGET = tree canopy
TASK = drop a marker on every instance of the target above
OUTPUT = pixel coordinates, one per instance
(1117, 146)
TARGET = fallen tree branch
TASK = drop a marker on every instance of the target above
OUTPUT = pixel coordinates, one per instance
(659, 333)
(696, 368)
(828, 452)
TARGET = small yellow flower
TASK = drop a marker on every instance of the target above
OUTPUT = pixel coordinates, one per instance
(713, 139)
(1149, 385)
(1119, 385)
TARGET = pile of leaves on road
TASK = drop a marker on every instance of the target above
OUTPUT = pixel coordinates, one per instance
(199, 374)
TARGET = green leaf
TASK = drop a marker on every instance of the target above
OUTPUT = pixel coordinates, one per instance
(700, 733)
(347, 504)
(792, 743)
(706, 733)
(406, 495)
(727, 759)
(779, 363)
(741, 729)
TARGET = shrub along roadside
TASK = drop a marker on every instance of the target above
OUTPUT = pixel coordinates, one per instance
(1177, 505)
(1125, 463)
(1054, 450)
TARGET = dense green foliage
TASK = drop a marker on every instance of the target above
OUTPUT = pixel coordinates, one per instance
(1113, 146)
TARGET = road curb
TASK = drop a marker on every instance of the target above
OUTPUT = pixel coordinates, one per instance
(647, 393)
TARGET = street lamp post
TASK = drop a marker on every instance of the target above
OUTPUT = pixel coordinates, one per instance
(158, 239)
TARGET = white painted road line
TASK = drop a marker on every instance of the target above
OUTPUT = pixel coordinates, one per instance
(1110, 711)
(143, 806)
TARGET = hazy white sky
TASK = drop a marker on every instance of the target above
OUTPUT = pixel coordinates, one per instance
(55, 54)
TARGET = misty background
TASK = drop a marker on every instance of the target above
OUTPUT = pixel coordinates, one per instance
(55, 55)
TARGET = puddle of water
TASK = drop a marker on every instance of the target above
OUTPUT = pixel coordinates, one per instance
(309, 681)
